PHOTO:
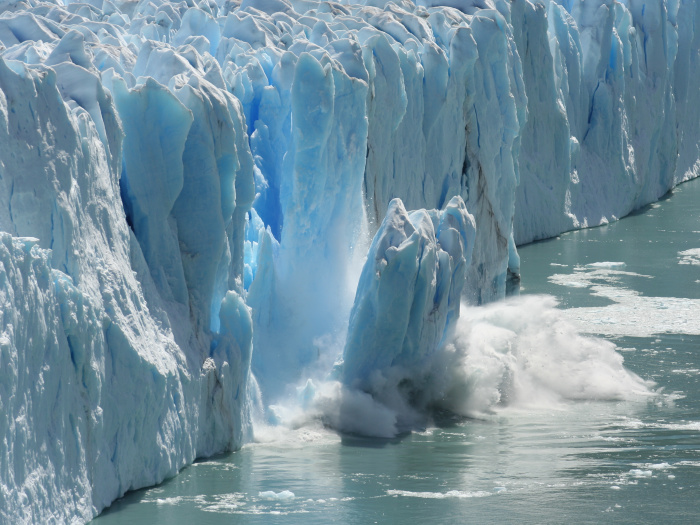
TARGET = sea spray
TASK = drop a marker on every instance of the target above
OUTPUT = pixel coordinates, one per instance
(519, 353)
(412, 353)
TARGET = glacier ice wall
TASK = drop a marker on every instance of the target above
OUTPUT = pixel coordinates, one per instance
(187, 189)
(112, 378)
(610, 123)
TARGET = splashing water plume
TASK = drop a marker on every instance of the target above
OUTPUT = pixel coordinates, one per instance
(520, 353)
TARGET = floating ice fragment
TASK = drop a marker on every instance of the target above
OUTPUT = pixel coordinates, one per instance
(639, 473)
(607, 264)
(284, 495)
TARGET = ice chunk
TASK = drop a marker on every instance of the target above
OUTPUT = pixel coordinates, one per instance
(409, 292)
(281, 496)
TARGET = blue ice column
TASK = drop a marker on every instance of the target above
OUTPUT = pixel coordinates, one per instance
(409, 292)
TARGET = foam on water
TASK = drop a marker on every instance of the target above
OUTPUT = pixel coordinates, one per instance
(691, 256)
(234, 503)
(299, 430)
(438, 495)
(631, 314)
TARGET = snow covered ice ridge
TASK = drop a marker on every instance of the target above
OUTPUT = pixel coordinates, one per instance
(186, 190)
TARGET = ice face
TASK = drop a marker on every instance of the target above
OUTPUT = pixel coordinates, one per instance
(202, 182)
(112, 377)
(614, 81)
(409, 292)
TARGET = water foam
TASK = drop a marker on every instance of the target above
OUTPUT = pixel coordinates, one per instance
(631, 314)
(691, 257)
(438, 495)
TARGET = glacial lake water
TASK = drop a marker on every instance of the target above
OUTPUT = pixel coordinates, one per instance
(635, 282)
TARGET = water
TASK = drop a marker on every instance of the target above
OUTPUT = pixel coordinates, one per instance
(586, 462)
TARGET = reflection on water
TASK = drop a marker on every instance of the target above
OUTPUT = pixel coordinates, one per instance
(564, 465)
(627, 462)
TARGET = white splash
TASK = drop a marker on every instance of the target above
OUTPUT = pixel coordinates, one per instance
(631, 313)
(522, 352)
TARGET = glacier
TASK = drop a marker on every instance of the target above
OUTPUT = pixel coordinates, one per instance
(204, 204)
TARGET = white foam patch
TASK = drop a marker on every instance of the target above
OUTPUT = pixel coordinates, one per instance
(439, 495)
(334, 405)
(216, 465)
(636, 475)
(685, 426)
(200, 501)
(688, 463)
(688, 371)
(225, 504)
(632, 314)
(170, 501)
(575, 284)
(594, 277)
(689, 257)
(235, 503)
(653, 466)
(293, 429)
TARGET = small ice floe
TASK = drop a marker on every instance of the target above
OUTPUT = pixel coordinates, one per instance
(639, 473)
(607, 265)
(285, 495)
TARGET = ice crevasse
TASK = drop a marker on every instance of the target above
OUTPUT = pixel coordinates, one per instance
(187, 190)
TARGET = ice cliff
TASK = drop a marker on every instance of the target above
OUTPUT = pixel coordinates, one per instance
(187, 190)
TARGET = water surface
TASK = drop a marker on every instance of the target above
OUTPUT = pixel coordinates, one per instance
(635, 282)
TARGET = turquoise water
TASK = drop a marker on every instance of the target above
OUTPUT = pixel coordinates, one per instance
(636, 283)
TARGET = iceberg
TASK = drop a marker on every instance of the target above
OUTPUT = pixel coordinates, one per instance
(189, 193)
